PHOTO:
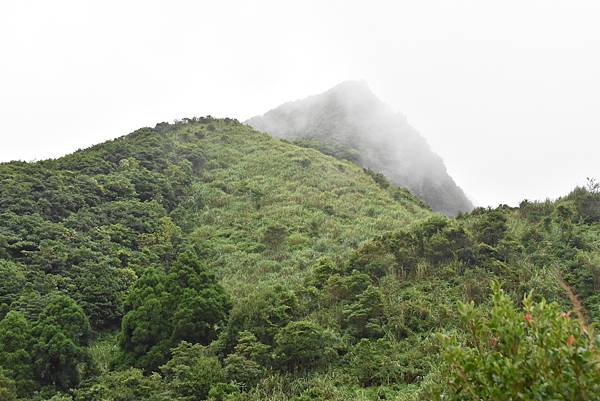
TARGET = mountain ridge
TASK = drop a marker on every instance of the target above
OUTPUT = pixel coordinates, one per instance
(350, 115)
(205, 260)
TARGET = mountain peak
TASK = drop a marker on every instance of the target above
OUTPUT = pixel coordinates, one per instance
(350, 115)
(353, 95)
(352, 87)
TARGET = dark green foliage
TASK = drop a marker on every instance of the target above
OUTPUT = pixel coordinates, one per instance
(304, 345)
(364, 317)
(263, 314)
(57, 357)
(383, 362)
(250, 348)
(534, 212)
(163, 309)
(443, 240)
(101, 290)
(491, 227)
(62, 312)
(243, 371)
(344, 287)
(127, 385)
(145, 334)
(324, 268)
(192, 372)
(337, 150)
(246, 365)
(224, 392)
(8, 390)
(378, 178)
(15, 351)
(587, 203)
(60, 334)
(274, 236)
(374, 259)
(435, 241)
(30, 303)
(13, 281)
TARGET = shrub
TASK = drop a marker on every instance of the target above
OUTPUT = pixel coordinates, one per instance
(587, 204)
(15, 350)
(364, 317)
(534, 353)
(126, 385)
(192, 372)
(304, 345)
(8, 391)
(274, 235)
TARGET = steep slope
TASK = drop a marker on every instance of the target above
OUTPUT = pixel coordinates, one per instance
(256, 208)
(246, 268)
(350, 117)
(271, 208)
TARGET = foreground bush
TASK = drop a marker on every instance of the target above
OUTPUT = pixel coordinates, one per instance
(534, 353)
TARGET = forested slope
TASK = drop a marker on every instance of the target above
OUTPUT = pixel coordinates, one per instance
(206, 260)
(256, 211)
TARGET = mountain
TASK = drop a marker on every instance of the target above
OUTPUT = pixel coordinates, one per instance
(205, 260)
(222, 183)
(352, 120)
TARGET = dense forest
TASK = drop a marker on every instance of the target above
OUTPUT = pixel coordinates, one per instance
(204, 260)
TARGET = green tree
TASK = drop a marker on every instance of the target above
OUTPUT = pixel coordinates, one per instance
(249, 347)
(61, 333)
(8, 390)
(126, 385)
(66, 314)
(187, 304)
(191, 372)
(377, 362)
(491, 227)
(101, 290)
(263, 312)
(15, 346)
(364, 317)
(374, 259)
(587, 202)
(247, 364)
(13, 281)
(305, 345)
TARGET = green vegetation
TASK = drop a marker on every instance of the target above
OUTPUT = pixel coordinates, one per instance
(204, 260)
(350, 123)
(534, 353)
(165, 309)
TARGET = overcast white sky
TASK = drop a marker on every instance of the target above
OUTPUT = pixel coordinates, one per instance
(507, 92)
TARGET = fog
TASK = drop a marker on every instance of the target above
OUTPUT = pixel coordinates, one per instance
(354, 124)
(505, 92)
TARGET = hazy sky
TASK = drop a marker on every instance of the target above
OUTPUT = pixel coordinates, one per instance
(507, 92)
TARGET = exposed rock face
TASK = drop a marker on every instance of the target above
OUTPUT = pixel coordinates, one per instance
(350, 116)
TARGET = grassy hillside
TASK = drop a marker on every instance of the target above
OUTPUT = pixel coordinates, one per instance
(349, 120)
(264, 210)
(205, 260)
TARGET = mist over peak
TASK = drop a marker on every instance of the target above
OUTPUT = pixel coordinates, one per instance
(350, 116)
